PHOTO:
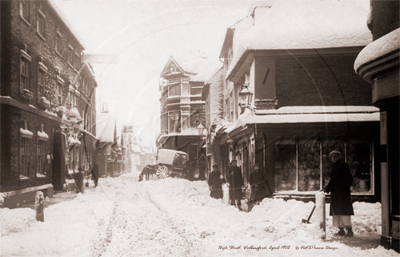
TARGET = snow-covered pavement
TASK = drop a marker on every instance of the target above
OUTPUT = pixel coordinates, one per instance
(176, 217)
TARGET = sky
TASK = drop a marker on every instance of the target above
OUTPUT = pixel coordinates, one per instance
(142, 35)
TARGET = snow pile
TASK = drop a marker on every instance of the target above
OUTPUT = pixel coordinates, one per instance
(176, 217)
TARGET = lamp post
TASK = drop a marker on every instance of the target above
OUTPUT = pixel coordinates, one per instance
(200, 129)
(245, 97)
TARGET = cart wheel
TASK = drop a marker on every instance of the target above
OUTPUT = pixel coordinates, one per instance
(162, 172)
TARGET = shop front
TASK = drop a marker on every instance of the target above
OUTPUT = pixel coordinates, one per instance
(294, 156)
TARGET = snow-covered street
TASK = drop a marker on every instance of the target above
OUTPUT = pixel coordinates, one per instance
(176, 217)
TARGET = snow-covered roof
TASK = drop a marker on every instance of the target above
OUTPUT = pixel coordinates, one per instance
(105, 127)
(309, 114)
(307, 24)
(64, 18)
(382, 46)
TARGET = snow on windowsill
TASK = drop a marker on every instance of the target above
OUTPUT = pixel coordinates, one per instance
(42, 135)
(26, 132)
(22, 177)
(38, 175)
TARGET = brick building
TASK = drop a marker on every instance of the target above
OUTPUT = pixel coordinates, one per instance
(293, 97)
(47, 100)
(378, 64)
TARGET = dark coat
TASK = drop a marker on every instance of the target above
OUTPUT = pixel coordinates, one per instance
(258, 179)
(235, 181)
(339, 187)
(215, 182)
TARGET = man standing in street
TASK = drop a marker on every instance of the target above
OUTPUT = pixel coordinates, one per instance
(235, 181)
(258, 186)
(339, 186)
(215, 183)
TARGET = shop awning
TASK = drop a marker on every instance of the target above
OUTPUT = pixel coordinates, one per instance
(308, 114)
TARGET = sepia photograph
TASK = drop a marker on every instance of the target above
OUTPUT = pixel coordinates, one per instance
(200, 128)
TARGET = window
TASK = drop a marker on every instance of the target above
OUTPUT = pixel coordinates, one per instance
(174, 122)
(24, 10)
(41, 79)
(41, 83)
(69, 57)
(306, 166)
(25, 67)
(24, 156)
(25, 64)
(58, 44)
(174, 90)
(40, 20)
(24, 140)
(59, 92)
(41, 149)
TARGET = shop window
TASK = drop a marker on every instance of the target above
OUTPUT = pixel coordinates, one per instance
(285, 166)
(309, 164)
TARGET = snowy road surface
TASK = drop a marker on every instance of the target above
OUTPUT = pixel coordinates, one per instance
(176, 217)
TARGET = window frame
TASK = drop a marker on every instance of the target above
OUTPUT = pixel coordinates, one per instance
(59, 88)
(42, 71)
(25, 59)
(40, 22)
(24, 9)
(40, 157)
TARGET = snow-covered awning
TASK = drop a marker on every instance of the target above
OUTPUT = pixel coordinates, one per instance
(308, 114)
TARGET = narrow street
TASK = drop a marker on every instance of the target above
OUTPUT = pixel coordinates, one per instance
(176, 217)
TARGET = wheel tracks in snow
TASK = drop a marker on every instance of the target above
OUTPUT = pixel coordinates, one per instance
(172, 223)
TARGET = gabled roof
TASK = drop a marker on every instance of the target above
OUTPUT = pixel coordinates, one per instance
(167, 68)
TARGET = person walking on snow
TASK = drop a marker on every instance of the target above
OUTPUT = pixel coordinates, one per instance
(339, 185)
(215, 182)
(235, 183)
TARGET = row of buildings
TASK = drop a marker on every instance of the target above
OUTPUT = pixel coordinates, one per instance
(293, 84)
(48, 111)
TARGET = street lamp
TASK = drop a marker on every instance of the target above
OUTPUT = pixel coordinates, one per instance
(245, 97)
(200, 129)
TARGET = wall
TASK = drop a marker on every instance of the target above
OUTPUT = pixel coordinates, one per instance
(308, 81)
(12, 119)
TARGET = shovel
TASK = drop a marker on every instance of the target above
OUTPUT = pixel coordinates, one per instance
(308, 220)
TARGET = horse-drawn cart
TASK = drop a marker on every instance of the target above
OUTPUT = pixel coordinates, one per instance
(171, 163)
